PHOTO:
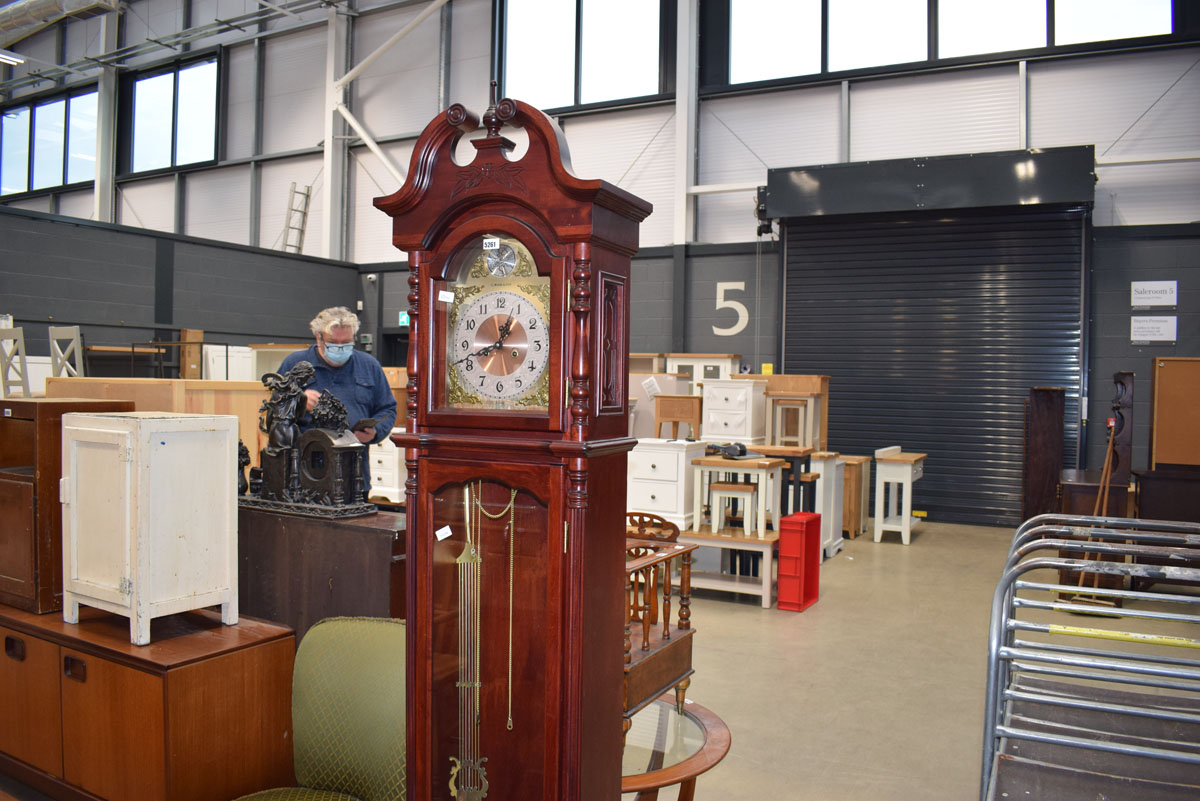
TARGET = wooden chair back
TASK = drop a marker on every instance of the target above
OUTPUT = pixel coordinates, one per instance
(14, 373)
(69, 361)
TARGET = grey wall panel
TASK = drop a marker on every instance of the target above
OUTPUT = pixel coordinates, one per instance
(373, 94)
(1119, 256)
(77, 204)
(105, 278)
(933, 327)
(970, 111)
(40, 48)
(148, 203)
(218, 205)
(294, 99)
(240, 109)
(470, 53)
(758, 340)
(56, 272)
(255, 293)
(369, 229)
(144, 20)
(652, 286)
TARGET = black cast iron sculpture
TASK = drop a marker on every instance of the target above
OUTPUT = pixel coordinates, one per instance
(319, 472)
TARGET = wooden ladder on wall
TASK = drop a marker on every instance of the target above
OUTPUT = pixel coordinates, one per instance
(297, 218)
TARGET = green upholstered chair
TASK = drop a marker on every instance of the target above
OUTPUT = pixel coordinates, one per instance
(348, 713)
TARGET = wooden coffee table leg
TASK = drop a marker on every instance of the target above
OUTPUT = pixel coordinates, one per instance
(687, 789)
(651, 795)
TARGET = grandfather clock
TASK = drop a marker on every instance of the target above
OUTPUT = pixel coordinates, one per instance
(516, 450)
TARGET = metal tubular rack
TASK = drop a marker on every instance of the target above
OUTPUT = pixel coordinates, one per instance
(1119, 714)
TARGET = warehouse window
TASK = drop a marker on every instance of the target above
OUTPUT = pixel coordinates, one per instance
(788, 42)
(563, 54)
(971, 27)
(48, 143)
(874, 33)
(789, 45)
(1078, 21)
(174, 117)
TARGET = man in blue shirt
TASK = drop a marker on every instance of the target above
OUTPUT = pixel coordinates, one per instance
(352, 376)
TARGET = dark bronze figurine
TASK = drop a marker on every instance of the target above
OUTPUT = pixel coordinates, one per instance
(318, 473)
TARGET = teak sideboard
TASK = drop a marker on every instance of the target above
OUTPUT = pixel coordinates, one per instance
(203, 713)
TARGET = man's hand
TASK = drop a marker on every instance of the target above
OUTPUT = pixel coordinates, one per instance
(365, 437)
(313, 396)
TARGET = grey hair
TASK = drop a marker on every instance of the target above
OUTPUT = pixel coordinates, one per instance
(334, 317)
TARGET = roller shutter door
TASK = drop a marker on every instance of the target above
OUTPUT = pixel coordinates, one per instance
(933, 327)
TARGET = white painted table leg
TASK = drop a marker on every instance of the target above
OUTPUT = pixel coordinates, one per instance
(761, 477)
(768, 565)
(697, 496)
(880, 511)
(906, 512)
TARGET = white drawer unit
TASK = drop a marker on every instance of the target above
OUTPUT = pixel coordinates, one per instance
(660, 480)
(388, 472)
(149, 506)
(734, 411)
(700, 368)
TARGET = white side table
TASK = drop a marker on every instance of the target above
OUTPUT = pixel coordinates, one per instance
(899, 470)
(829, 498)
(659, 479)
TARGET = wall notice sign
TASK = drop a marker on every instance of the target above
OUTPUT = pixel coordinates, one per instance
(403, 320)
(1153, 294)
(1144, 330)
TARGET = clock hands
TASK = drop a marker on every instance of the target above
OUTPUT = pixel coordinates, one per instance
(505, 330)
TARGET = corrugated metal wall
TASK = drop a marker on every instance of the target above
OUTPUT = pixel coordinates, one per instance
(933, 327)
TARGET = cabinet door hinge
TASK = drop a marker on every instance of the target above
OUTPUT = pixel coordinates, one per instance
(125, 586)
(566, 533)
(64, 490)
(125, 454)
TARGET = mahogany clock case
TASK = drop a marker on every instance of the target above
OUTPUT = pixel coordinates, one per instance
(540, 595)
(30, 515)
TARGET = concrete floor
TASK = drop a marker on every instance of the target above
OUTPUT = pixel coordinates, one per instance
(874, 692)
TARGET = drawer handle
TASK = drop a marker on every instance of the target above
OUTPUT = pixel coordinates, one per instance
(727, 424)
(74, 668)
(653, 497)
(14, 648)
(653, 467)
(727, 399)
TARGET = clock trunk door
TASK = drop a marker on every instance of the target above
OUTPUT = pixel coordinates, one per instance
(496, 587)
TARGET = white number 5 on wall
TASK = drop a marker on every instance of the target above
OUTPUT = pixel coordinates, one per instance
(743, 314)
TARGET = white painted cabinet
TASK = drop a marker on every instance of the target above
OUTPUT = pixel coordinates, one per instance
(700, 368)
(734, 411)
(388, 472)
(660, 479)
(240, 363)
(149, 505)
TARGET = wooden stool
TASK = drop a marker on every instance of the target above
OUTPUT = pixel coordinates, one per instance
(778, 406)
(808, 485)
(676, 409)
(731, 490)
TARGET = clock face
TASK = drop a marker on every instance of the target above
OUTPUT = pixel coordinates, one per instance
(496, 328)
(500, 346)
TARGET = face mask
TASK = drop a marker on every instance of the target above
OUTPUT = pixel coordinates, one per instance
(338, 354)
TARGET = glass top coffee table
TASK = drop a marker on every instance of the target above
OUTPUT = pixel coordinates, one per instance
(663, 748)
